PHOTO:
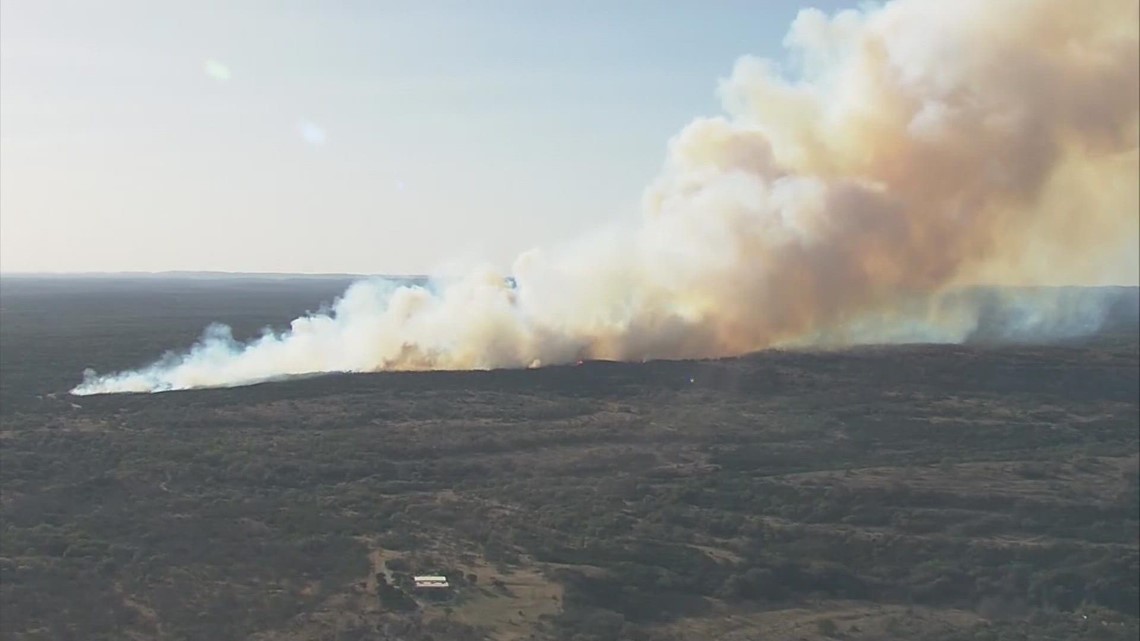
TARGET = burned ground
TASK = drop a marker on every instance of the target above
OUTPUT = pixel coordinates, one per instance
(944, 492)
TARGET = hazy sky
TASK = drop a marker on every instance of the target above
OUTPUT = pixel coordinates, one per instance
(343, 136)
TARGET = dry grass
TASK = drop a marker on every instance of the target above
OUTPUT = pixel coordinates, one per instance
(509, 613)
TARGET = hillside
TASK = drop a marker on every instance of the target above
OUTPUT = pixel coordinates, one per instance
(941, 492)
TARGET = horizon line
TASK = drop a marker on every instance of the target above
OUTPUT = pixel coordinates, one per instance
(221, 274)
(201, 272)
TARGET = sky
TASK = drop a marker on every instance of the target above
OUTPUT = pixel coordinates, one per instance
(345, 136)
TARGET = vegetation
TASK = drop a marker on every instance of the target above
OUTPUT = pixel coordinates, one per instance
(942, 492)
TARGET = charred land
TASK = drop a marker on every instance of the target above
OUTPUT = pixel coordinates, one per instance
(970, 491)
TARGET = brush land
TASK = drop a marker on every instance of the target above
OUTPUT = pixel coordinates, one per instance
(937, 492)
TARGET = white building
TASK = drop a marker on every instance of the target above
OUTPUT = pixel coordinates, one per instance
(429, 581)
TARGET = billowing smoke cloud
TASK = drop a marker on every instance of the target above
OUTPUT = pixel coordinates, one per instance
(909, 150)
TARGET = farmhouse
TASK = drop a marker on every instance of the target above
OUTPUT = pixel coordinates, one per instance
(430, 582)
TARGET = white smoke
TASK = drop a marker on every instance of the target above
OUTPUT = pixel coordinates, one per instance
(920, 146)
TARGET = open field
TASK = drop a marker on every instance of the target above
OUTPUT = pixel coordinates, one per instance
(939, 492)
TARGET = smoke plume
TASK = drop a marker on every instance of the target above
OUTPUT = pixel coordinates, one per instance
(904, 152)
